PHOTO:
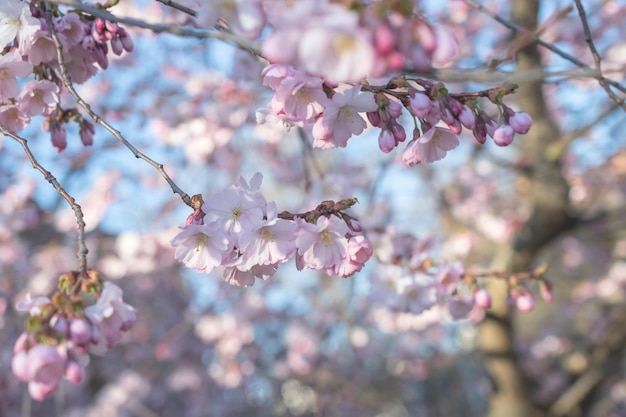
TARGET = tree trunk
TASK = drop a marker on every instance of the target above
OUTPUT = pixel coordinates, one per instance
(547, 196)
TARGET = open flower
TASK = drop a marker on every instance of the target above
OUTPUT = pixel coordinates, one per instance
(111, 315)
(431, 146)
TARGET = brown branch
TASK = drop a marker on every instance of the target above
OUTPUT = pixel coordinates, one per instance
(185, 31)
(546, 45)
(78, 212)
(596, 56)
(99, 120)
(179, 7)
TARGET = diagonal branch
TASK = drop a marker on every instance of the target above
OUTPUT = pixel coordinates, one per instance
(179, 7)
(596, 56)
(78, 212)
(99, 120)
(597, 75)
(186, 31)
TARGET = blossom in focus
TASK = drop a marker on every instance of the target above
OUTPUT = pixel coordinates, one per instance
(271, 242)
(16, 21)
(322, 245)
(12, 66)
(431, 146)
(341, 118)
(237, 208)
(201, 246)
(39, 97)
(111, 315)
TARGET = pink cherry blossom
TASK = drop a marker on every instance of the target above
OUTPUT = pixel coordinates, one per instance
(299, 97)
(431, 146)
(322, 245)
(525, 302)
(341, 118)
(12, 118)
(16, 21)
(272, 242)
(12, 66)
(201, 246)
(237, 208)
(360, 250)
(39, 97)
(111, 315)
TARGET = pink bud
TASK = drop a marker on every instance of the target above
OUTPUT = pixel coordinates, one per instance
(467, 117)
(503, 135)
(374, 118)
(99, 25)
(116, 46)
(111, 26)
(45, 365)
(394, 109)
(80, 331)
(482, 298)
(58, 137)
(525, 302)
(19, 365)
(74, 372)
(386, 141)
(480, 133)
(127, 41)
(520, 122)
(398, 132)
(59, 323)
(384, 39)
(420, 104)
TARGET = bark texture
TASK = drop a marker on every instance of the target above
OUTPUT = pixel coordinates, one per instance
(547, 195)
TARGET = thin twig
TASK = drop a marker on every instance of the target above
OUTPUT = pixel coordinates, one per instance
(179, 7)
(99, 120)
(596, 56)
(78, 212)
(545, 44)
(185, 31)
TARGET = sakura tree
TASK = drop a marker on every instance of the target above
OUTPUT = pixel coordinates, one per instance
(274, 207)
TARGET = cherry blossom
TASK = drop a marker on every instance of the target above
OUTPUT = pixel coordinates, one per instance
(429, 147)
(16, 21)
(341, 118)
(111, 315)
(321, 245)
(201, 246)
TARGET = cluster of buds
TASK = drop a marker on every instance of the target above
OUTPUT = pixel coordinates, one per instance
(84, 316)
(55, 124)
(105, 31)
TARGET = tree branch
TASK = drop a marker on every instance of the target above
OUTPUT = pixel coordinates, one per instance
(163, 28)
(596, 56)
(78, 212)
(547, 45)
(99, 120)
(178, 6)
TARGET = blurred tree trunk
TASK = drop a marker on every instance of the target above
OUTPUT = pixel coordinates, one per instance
(546, 194)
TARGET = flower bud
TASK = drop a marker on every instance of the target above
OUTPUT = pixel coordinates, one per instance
(520, 122)
(503, 135)
(525, 302)
(116, 46)
(80, 331)
(482, 298)
(420, 104)
(386, 141)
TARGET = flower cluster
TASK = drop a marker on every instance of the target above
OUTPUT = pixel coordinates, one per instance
(408, 280)
(30, 50)
(239, 232)
(62, 331)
